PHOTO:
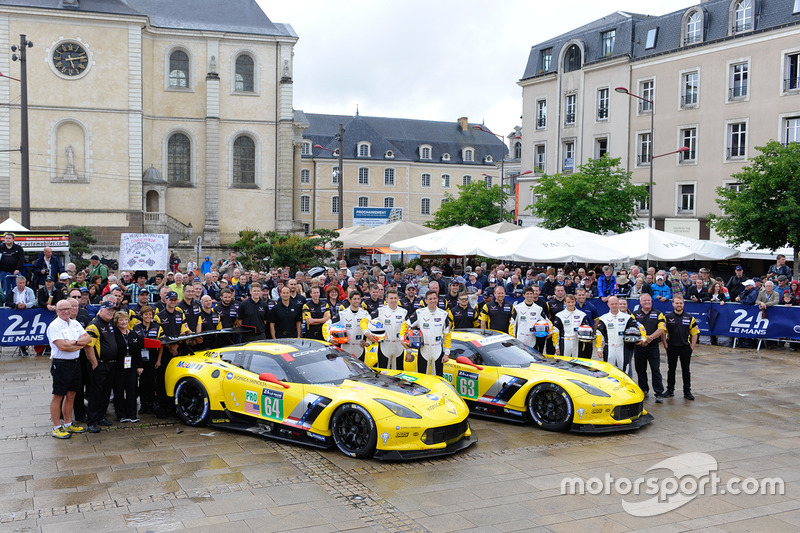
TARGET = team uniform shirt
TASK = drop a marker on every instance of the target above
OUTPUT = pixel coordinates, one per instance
(285, 317)
(515, 291)
(104, 340)
(153, 332)
(410, 305)
(228, 313)
(392, 320)
(371, 305)
(210, 321)
(680, 328)
(497, 315)
(299, 299)
(651, 321)
(314, 310)
(612, 328)
(254, 314)
(556, 306)
(566, 325)
(172, 324)
(523, 317)
(334, 310)
(68, 330)
(442, 304)
(192, 313)
(464, 318)
(355, 322)
(435, 327)
(451, 301)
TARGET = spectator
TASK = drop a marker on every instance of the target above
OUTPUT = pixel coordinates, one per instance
(768, 297)
(607, 284)
(636, 290)
(705, 275)
(12, 262)
(749, 295)
(779, 268)
(782, 284)
(794, 286)
(48, 295)
(788, 299)
(736, 283)
(21, 296)
(717, 294)
(174, 262)
(46, 265)
(698, 292)
(98, 269)
(589, 287)
(660, 290)
(205, 266)
(624, 286)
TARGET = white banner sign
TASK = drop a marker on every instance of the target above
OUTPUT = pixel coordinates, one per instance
(144, 251)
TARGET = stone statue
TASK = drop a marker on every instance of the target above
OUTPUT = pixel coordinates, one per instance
(70, 174)
(212, 65)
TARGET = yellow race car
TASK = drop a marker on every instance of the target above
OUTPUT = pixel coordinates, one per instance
(311, 392)
(500, 377)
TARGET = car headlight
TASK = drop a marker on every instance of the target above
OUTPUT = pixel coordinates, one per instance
(591, 389)
(449, 386)
(398, 409)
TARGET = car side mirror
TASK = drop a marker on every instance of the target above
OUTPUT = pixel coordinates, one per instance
(464, 360)
(270, 377)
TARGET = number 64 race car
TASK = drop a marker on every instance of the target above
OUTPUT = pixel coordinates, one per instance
(500, 377)
(310, 392)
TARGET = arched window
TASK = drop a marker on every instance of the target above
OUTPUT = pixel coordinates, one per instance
(244, 160)
(572, 59)
(694, 28)
(179, 159)
(363, 201)
(425, 152)
(517, 150)
(244, 73)
(152, 202)
(179, 69)
(743, 15)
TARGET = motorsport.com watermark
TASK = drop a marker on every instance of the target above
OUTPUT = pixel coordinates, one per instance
(693, 474)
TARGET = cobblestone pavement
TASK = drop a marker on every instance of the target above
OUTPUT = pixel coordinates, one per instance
(163, 476)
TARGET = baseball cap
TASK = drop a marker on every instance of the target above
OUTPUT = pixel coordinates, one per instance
(660, 278)
(172, 295)
(739, 267)
(95, 258)
(488, 292)
(749, 283)
(144, 291)
(756, 280)
(782, 278)
(84, 289)
(107, 305)
(50, 278)
(63, 275)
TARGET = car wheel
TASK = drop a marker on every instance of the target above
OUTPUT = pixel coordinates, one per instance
(550, 407)
(354, 431)
(191, 402)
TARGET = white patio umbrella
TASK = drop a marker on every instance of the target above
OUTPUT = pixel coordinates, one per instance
(346, 234)
(654, 245)
(455, 240)
(502, 227)
(540, 245)
(383, 236)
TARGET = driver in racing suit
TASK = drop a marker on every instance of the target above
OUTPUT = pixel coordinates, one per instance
(612, 326)
(355, 319)
(565, 337)
(524, 315)
(434, 324)
(393, 317)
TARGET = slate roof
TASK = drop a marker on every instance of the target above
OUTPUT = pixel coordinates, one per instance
(632, 29)
(400, 135)
(231, 16)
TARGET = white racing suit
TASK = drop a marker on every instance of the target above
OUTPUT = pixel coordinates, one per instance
(355, 323)
(566, 335)
(435, 329)
(612, 328)
(523, 317)
(390, 349)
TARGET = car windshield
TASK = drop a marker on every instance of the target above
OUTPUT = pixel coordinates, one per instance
(328, 366)
(510, 353)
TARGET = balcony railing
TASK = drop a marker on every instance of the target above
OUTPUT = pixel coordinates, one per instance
(689, 100)
(643, 159)
(791, 84)
(602, 112)
(737, 92)
(736, 152)
(541, 122)
(569, 118)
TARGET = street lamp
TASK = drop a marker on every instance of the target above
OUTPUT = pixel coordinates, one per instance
(502, 164)
(502, 193)
(340, 177)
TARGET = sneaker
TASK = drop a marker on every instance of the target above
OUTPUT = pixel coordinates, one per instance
(75, 428)
(688, 396)
(106, 422)
(124, 420)
(94, 428)
(134, 420)
(668, 394)
(659, 399)
(61, 433)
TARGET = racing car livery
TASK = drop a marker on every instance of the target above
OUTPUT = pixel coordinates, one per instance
(310, 392)
(498, 376)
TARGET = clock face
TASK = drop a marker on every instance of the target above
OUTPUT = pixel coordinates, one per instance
(70, 58)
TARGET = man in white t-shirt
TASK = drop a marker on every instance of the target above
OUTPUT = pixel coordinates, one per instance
(67, 337)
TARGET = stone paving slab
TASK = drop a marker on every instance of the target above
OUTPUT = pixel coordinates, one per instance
(162, 476)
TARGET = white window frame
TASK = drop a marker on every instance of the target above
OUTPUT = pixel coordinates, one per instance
(364, 149)
(190, 75)
(445, 181)
(679, 211)
(335, 204)
(597, 140)
(388, 202)
(570, 109)
(445, 157)
(645, 108)
(335, 174)
(305, 204)
(683, 103)
(423, 207)
(731, 66)
(606, 51)
(425, 152)
(728, 137)
(790, 84)
(536, 167)
(687, 158)
(541, 114)
(640, 156)
(363, 176)
(363, 201)
(603, 101)
(567, 149)
(643, 206)
(688, 37)
(784, 127)
(651, 39)
(488, 180)
(732, 184)
(422, 180)
(468, 154)
(389, 177)
(466, 179)
(306, 150)
(305, 176)
(748, 24)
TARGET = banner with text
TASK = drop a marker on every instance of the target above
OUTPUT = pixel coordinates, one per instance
(25, 327)
(144, 251)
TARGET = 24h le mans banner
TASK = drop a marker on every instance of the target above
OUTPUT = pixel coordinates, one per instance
(26, 327)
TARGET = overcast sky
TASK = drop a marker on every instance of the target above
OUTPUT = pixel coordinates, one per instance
(431, 59)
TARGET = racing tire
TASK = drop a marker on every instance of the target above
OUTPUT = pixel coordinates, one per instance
(550, 407)
(191, 402)
(354, 431)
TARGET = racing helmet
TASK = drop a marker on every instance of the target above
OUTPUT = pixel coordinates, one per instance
(338, 334)
(414, 338)
(585, 333)
(541, 328)
(632, 335)
(377, 328)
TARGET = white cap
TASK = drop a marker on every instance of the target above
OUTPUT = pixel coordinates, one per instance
(749, 283)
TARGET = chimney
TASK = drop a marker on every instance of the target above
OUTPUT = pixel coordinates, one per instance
(463, 122)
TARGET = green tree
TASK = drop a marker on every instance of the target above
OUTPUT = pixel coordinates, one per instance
(598, 198)
(765, 210)
(476, 204)
(80, 243)
(293, 251)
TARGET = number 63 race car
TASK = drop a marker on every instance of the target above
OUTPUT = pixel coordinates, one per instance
(310, 392)
(500, 377)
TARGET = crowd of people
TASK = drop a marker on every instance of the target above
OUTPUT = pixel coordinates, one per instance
(388, 309)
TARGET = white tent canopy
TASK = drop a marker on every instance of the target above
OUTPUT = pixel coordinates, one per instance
(534, 244)
(383, 236)
(502, 227)
(654, 245)
(455, 240)
(11, 225)
(346, 234)
(746, 251)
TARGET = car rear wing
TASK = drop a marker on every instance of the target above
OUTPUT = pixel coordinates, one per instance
(162, 341)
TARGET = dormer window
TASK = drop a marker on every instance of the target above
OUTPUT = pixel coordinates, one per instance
(741, 16)
(425, 152)
(572, 59)
(306, 148)
(363, 149)
(693, 27)
(389, 154)
(469, 154)
(487, 159)
(445, 157)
